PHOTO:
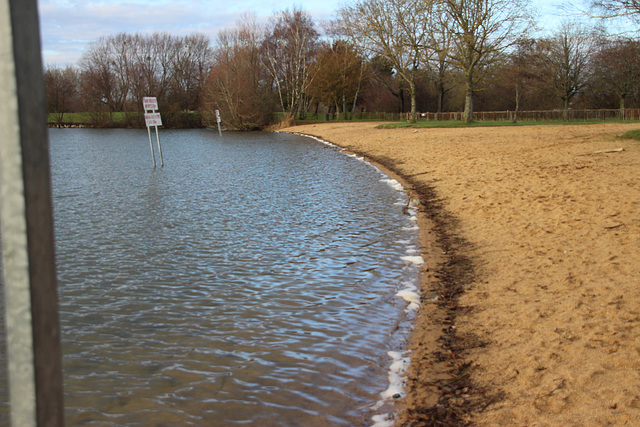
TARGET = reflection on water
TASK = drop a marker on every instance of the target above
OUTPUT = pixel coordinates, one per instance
(250, 280)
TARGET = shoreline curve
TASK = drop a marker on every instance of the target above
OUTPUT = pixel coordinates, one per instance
(531, 237)
(444, 267)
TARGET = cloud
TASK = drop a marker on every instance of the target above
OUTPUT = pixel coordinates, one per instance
(68, 26)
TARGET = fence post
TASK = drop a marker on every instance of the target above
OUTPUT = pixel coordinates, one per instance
(31, 312)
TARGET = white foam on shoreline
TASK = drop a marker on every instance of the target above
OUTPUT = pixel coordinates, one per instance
(382, 420)
(411, 259)
(409, 293)
(395, 391)
(412, 298)
(409, 296)
(393, 184)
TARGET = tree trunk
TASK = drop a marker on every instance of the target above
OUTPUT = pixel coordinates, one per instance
(412, 90)
(344, 107)
(441, 93)
(515, 113)
(355, 98)
(622, 109)
(468, 101)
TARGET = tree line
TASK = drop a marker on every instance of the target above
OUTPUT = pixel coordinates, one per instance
(375, 55)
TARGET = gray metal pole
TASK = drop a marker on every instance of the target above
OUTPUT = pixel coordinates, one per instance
(33, 334)
(159, 147)
(153, 156)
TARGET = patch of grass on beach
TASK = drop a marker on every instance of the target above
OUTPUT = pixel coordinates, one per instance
(632, 134)
(459, 124)
(443, 124)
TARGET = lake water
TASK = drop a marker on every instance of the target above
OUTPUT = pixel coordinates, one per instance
(252, 280)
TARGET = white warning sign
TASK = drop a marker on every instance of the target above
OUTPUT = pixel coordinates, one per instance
(152, 119)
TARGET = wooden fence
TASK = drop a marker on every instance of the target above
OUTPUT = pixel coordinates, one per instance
(540, 116)
(482, 116)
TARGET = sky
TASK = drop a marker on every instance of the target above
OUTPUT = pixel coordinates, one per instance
(68, 26)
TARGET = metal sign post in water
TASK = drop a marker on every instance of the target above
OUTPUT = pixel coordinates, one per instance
(218, 120)
(152, 118)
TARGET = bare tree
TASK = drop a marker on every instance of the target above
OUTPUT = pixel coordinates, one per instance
(617, 62)
(397, 30)
(382, 73)
(190, 63)
(237, 84)
(618, 8)
(122, 48)
(482, 31)
(108, 66)
(289, 48)
(526, 71)
(440, 66)
(337, 75)
(62, 86)
(119, 70)
(152, 71)
(569, 51)
(98, 80)
(353, 61)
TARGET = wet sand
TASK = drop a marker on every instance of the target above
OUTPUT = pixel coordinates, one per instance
(531, 290)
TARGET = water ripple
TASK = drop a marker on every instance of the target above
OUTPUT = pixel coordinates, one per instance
(251, 280)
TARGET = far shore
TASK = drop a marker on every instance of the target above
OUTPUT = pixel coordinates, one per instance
(532, 240)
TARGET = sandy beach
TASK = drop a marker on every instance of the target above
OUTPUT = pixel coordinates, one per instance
(531, 289)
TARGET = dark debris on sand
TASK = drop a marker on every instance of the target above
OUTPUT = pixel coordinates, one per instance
(459, 397)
